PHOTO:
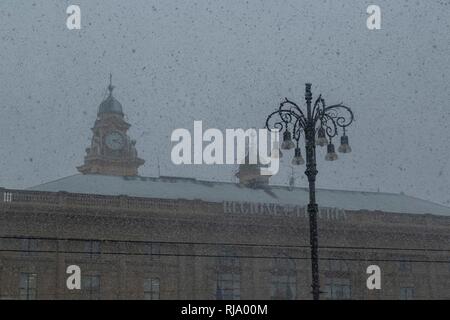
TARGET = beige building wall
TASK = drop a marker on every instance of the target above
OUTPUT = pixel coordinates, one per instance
(183, 244)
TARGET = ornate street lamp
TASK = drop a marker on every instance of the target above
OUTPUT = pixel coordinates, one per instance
(319, 124)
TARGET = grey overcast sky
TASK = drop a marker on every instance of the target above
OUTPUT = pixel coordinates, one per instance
(228, 63)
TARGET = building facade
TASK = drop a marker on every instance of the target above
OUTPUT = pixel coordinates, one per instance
(137, 248)
(154, 238)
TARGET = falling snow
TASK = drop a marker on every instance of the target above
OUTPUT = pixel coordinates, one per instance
(228, 64)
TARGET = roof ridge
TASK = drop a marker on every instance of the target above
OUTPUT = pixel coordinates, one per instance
(283, 186)
(232, 191)
(53, 181)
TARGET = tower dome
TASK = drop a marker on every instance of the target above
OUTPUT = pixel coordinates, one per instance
(110, 104)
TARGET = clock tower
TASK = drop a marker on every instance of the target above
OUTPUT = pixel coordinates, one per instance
(112, 152)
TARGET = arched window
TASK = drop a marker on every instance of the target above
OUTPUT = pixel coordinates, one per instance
(284, 278)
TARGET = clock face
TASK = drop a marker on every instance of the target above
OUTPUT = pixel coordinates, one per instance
(115, 140)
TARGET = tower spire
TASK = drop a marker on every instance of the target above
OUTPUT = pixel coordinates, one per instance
(110, 87)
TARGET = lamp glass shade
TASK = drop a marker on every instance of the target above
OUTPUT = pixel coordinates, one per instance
(298, 159)
(321, 137)
(287, 141)
(331, 153)
(344, 147)
(276, 152)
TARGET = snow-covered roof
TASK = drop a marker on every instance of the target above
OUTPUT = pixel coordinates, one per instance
(192, 189)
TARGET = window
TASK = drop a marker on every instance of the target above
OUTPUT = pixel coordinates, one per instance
(338, 289)
(283, 287)
(92, 248)
(284, 279)
(228, 286)
(406, 293)
(29, 246)
(153, 249)
(405, 266)
(90, 285)
(7, 197)
(27, 286)
(151, 289)
(336, 265)
(229, 260)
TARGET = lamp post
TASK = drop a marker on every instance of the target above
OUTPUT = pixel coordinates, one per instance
(319, 124)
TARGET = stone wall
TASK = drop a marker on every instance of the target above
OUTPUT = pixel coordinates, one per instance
(190, 245)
